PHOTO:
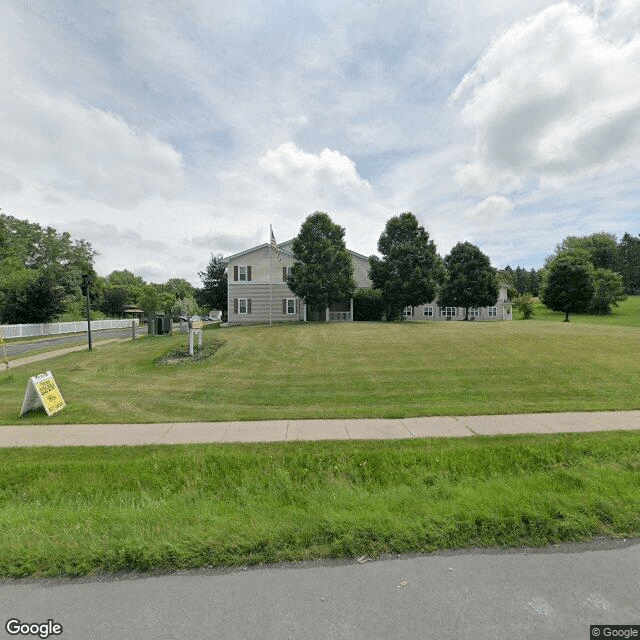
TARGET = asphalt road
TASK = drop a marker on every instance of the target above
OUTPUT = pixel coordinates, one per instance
(550, 594)
(56, 342)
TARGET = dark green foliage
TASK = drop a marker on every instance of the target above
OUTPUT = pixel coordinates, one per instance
(40, 271)
(213, 294)
(115, 299)
(323, 272)
(40, 301)
(568, 284)
(470, 281)
(520, 281)
(368, 305)
(629, 263)
(410, 270)
(601, 247)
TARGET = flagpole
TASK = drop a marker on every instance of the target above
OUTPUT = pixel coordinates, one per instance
(270, 270)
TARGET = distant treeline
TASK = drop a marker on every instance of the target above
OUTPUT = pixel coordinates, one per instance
(605, 252)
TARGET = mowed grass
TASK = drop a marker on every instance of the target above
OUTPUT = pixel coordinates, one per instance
(79, 511)
(626, 314)
(348, 370)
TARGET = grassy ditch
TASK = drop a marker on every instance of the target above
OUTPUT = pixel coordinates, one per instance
(77, 511)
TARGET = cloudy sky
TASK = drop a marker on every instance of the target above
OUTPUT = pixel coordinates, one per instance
(164, 131)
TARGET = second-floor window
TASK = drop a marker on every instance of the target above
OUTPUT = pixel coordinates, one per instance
(242, 274)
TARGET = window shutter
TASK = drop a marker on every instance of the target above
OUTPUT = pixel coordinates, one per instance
(235, 273)
(249, 274)
(248, 305)
(284, 305)
(235, 304)
(284, 274)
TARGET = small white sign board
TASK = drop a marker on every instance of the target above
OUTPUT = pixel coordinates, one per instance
(42, 391)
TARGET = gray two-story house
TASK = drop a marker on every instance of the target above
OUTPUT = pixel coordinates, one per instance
(258, 291)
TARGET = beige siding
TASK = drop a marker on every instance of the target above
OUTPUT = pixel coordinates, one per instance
(361, 270)
(257, 289)
(259, 296)
(258, 260)
(503, 311)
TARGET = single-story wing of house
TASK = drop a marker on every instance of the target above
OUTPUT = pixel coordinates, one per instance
(501, 310)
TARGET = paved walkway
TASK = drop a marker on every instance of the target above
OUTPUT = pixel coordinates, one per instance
(287, 430)
(16, 362)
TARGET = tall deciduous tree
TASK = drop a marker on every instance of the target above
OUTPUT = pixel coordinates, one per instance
(602, 248)
(470, 280)
(323, 272)
(38, 258)
(213, 294)
(568, 284)
(410, 270)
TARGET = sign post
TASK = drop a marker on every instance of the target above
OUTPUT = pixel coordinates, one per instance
(5, 358)
(195, 327)
(42, 391)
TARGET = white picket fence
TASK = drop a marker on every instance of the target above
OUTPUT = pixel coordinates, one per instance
(56, 328)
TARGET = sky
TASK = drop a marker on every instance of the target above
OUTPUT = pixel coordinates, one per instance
(164, 132)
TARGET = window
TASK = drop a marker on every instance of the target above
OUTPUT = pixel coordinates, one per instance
(407, 312)
(242, 305)
(291, 306)
(242, 274)
(428, 311)
(492, 312)
(286, 272)
(448, 312)
(474, 313)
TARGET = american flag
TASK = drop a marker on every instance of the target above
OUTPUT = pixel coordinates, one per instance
(274, 245)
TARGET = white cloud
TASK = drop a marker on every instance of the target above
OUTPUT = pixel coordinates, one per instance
(328, 170)
(492, 208)
(59, 144)
(555, 98)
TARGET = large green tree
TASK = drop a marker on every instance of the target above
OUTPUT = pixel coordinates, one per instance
(602, 248)
(122, 288)
(40, 260)
(410, 270)
(323, 272)
(470, 279)
(213, 294)
(569, 282)
(39, 302)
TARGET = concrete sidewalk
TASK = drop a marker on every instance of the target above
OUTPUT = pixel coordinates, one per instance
(287, 430)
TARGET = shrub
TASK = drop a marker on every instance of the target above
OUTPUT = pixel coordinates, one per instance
(524, 304)
(368, 305)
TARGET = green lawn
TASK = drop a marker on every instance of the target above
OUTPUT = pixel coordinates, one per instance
(69, 511)
(76, 511)
(627, 314)
(349, 370)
